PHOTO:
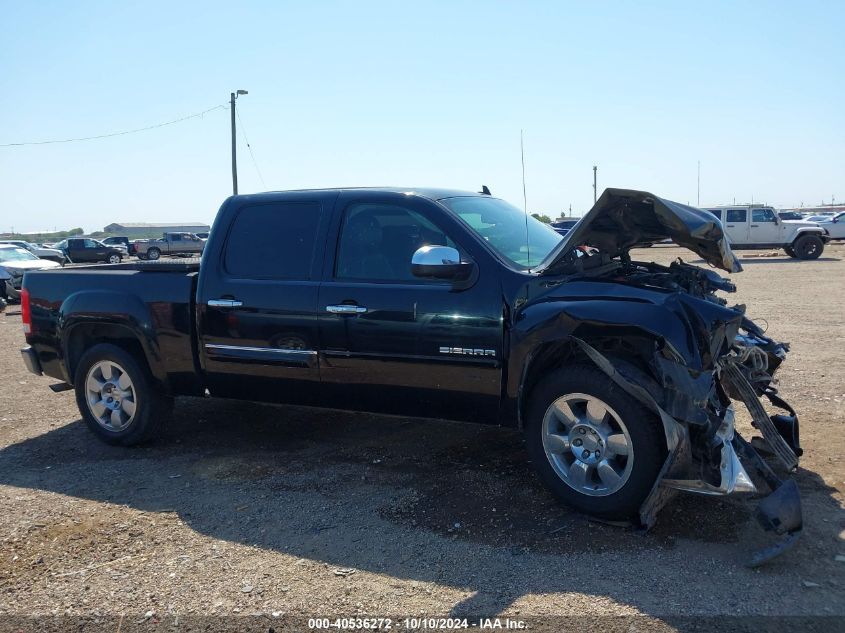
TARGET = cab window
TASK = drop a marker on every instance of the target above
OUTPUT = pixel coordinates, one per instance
(273, 241)
(377, 242)
(736, 215)
(762, 215)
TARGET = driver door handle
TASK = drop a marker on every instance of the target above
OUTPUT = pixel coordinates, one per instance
(225, 303)
(346, 308)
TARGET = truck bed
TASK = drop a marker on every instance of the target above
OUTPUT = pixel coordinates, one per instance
(183, 265)
(153, 302)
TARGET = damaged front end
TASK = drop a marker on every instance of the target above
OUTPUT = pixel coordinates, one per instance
(696, 402)
(744, 373)
(706, 359)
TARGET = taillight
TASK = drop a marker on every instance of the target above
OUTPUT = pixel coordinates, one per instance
(26, 312)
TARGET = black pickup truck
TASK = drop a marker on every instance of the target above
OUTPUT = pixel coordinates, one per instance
(436, 303)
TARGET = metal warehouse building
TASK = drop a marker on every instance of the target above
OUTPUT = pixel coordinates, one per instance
(130, 229)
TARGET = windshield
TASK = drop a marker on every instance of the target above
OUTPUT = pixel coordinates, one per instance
(503, 227)
(15, 255)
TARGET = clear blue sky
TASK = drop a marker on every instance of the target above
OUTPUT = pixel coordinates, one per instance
(384, 93)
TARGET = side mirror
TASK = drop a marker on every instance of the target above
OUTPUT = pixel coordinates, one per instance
(440, 262)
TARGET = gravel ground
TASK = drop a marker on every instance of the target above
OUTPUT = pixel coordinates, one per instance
(258, 510)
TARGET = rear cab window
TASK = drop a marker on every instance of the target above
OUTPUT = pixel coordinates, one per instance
(736, 215)
(274, 241)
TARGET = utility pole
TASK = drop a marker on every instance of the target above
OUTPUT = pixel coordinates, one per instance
(595, 196)
(234, 96)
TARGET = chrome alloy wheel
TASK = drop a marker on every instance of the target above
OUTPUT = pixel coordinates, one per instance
(587, 444)
(110, 395)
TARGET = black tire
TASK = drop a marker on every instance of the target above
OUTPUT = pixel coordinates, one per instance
(152, 409)
(153, 254)
(143, 257)
(647, 441)
(115, 259)
(788, 250)
(808, 247)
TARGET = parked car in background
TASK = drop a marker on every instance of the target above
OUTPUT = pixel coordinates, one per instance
(52, 254)
(834, 226)
(84, 249)
(202, 236)
(564, 226)
(758, 227)
(818, 217)
(14, 262)
(790, 215)
(119, 241)
(185, 244)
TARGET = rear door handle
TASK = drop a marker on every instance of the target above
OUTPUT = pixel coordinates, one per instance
(346, 308)
(754, 226)
(225, 303)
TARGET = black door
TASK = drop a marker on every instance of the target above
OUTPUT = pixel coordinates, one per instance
(258, 301)
(86, 250)
(395, 343)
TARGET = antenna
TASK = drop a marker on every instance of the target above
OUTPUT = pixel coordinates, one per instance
(524, 198)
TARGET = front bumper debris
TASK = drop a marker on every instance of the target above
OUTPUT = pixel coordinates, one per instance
(780, 511)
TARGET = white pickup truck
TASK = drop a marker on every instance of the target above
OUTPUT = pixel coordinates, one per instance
(759, 227)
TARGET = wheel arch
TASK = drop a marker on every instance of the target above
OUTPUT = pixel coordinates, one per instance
(87, 319)
(803, 232)
(630, 355)
(83, 336)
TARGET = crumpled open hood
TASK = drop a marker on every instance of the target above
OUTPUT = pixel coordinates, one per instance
(624, 218)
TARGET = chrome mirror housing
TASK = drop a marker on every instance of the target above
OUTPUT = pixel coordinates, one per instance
(440, 262)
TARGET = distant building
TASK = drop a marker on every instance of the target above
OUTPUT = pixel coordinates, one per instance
(133, 229)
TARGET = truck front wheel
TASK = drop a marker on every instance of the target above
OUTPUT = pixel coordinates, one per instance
(117, 397)
(593, 445)
(808, 247)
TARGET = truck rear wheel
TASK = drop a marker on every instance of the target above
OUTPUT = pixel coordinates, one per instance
(593, 445)
(117, 397)
(808, 247)
(153, 254)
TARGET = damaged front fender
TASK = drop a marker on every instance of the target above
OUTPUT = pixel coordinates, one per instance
(780, 512)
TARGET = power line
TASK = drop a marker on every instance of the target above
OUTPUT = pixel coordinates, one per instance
(124, 132)
(249, 147)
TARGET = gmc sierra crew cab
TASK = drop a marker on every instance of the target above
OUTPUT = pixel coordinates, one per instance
(436, 303)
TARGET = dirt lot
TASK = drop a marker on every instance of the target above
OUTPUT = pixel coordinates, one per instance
(250, 509)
